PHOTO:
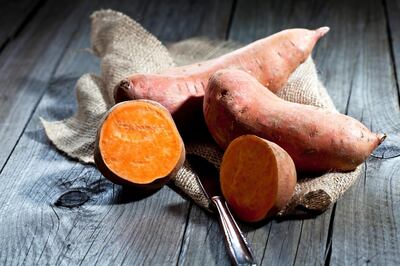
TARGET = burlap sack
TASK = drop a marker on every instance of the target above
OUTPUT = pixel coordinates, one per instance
(124, 47)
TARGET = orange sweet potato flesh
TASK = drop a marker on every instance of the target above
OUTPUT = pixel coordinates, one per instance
(181, 90)
(139, 145)
(318, 140)
(257, 178)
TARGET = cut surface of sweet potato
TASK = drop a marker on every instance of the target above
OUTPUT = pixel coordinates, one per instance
(257, 178)
(139, 144)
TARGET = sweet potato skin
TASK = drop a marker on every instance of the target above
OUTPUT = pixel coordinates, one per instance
(287, 178)
(181, 90)
(246, 200)
(109, 174)
(318, 140)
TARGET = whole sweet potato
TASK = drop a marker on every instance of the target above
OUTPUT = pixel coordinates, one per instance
(318, 140)
(270, 60)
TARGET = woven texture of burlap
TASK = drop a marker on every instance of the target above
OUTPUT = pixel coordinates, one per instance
(124, 47)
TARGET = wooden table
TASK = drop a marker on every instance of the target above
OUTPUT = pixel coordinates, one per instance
(57, 211)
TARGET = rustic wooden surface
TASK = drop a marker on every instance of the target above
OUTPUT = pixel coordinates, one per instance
(57, 211)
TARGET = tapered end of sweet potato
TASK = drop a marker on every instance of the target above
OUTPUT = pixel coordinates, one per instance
(381, 138)
(322, 31)
(257, 178)
(122, 91)
(139, 145)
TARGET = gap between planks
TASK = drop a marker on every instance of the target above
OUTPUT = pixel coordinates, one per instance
(21, 26)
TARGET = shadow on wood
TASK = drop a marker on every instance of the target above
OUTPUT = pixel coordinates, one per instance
(127, 194)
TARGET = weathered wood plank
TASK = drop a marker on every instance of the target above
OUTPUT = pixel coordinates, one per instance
(27, 63)
(366, 225)
(393, 16)
(13, 16)
(55, 211)
(197, 18)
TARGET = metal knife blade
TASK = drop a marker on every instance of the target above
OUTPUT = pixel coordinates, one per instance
(238, 248)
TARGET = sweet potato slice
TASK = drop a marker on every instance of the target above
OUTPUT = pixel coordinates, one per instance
(257, 178)
(139, 145)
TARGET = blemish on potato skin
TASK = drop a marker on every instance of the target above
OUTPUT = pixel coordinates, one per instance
(224, 93)
(244, 110)
(293, 129)
(313, 133)
(203, 85)
(275, 124)
(332, 142)
(260, 66)
(309, 151)
(259, 123)
(218, 74)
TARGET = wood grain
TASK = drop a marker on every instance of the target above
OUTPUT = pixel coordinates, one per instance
(392, 8)
(27, 64)
(13, 17)
(56, 211)
(186, 18)
(366, 225)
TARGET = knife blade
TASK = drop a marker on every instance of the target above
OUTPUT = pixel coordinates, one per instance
(207, 176)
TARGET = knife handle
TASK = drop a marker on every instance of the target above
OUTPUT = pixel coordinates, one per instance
(239, 250)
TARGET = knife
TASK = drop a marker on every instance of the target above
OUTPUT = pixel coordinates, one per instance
(239, 250)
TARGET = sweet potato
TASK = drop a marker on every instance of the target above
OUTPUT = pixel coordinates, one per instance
(318, 140)
(257, 178)
(139, 145)
(270, 60)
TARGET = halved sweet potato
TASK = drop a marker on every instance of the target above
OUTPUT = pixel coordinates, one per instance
(139, 145)
(257, 178)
